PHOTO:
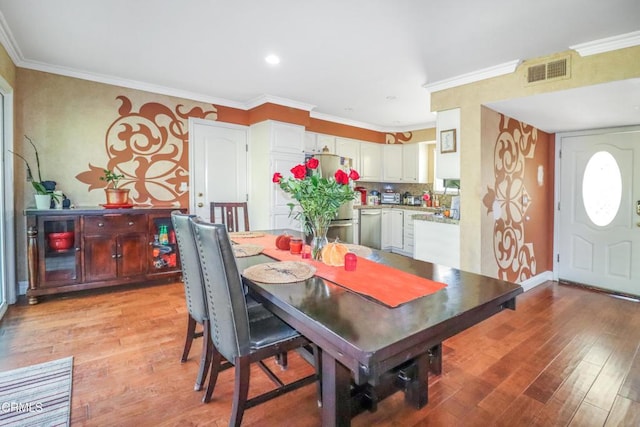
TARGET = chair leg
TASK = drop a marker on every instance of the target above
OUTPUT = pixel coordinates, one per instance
(317, 358)
(216, 358)
(241, 390)
(205, 357)
(191, 332)
(282, 360)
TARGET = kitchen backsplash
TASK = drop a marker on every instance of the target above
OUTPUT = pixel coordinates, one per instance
(413, 189)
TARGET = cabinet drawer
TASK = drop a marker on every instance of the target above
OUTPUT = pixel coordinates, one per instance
(115, 224)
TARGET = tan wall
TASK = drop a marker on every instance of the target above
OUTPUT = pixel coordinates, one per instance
(517, 176)
(7, 67)
(611, 66)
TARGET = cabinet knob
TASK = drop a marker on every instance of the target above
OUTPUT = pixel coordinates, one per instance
(200, 204)
(131, 223)
(114, 256)
(77, 249)
(101, 224)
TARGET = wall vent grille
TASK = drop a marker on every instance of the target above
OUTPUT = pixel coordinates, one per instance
(553, 70)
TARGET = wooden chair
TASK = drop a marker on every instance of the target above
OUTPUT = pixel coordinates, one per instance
(195, 297)
(230, 214)
(235, 336)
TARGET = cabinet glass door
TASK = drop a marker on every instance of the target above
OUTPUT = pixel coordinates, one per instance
(59, 250)
(164, 249)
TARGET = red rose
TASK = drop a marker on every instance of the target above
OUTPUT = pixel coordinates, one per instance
(341, 177)
(276, 177)
(299, 172)
(312, 163)
(354, 175)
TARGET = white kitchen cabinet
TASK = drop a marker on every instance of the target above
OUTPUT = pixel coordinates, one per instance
(350, 148)
(408, 233)
(392, 164)
(315, 143)
(285, 137)
(392, 230)
(370, 161)
(273, 147)
(414, 163)
(437, 242)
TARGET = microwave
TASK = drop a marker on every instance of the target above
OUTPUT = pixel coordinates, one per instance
(390, 198)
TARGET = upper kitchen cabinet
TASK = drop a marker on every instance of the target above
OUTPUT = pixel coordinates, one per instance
(282, 137)
(392, 165)
(350, 148)
(405, 163)
(317, 143)
(448, 144)
(414, 163)
(371, 161)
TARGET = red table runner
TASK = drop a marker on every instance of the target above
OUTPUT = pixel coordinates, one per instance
(388, 285)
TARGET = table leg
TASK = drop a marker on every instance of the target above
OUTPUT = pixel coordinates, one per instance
(435, 359)
(336, 399)
(416, 392)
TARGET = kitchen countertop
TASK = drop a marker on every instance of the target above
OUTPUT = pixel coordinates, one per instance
(422, 213)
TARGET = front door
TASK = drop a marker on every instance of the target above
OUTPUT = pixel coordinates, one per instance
(599, 216)
(217, 164)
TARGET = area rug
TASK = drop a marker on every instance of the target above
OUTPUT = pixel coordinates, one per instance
(37, 395)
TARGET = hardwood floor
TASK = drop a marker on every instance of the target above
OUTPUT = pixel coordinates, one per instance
(567, 357)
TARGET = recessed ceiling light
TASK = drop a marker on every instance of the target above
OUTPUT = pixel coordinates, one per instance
(391, 97)
(272, 59)
(348, 109)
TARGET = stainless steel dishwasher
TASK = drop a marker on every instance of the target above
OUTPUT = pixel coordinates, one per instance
(371, 227)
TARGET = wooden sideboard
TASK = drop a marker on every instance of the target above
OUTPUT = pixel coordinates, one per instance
(107, 247)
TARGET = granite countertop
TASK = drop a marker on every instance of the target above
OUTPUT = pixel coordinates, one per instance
(422, 213)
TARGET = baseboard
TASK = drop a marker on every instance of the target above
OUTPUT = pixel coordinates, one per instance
(534, 281)
(22, 287)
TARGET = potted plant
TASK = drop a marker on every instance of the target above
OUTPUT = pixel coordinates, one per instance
(44, 189)
(115, 195)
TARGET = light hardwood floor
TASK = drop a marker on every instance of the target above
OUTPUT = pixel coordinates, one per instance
(566, 356)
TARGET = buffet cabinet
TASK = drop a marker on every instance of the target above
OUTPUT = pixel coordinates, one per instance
(77, 249)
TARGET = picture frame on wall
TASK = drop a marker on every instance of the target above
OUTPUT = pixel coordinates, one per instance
(448, 141)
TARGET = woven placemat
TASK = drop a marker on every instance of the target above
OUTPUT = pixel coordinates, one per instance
(246, 234)
(359, 250)
(280, 272)
(241, 251)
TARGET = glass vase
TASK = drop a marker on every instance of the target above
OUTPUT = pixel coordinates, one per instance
(319, 228)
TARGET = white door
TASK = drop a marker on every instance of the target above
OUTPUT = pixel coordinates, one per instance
(599, 216)
(217, 164)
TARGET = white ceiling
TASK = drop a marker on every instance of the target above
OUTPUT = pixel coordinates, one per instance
(361, 62)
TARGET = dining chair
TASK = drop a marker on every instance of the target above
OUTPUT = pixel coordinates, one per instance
(234, 335)
(195, 297)
(230, 214)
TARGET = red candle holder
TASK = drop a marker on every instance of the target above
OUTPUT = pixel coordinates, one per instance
(306, 252)
(350, 261)
(295, 246)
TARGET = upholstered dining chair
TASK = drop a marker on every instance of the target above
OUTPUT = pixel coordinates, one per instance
(235, 336)
(195, 296)
(233, 214)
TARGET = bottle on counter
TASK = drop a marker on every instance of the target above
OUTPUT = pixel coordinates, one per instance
(436, 201)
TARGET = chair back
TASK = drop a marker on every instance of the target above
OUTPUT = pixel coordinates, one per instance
(191, 274)
(223, 290)
(233, 214)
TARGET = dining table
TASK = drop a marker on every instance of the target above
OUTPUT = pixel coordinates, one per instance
(371, 348)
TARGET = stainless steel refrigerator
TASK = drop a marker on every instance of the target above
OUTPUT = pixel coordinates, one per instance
(342, 226)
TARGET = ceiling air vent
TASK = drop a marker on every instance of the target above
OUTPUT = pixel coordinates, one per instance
(552, 70)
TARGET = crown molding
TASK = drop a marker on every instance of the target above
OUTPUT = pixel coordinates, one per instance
(9, 42)
(475, 76)
(285, 102)
(607, 44)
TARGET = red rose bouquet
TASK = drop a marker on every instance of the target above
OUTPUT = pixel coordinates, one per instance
(320, 198)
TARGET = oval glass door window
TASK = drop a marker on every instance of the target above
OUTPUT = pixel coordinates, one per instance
(602, 188)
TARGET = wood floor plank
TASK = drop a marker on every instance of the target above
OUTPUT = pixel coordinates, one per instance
(559, 359)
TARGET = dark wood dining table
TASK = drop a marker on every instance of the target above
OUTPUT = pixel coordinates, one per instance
(370, 350)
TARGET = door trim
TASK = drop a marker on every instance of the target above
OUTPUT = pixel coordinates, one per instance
(557, 184)
(7, 209)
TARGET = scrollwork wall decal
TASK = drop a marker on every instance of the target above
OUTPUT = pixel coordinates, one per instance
(149, 147)
(513, 254)
(398, 138)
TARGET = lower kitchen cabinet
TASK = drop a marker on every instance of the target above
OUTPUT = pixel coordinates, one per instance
(73, 249)
(437, 242)
(392, 229)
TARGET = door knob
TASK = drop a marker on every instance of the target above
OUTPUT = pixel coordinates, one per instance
(200, 194)
(200, 204)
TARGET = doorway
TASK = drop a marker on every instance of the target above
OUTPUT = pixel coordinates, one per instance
(599, 209)
(7, 219)
(217, 164)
